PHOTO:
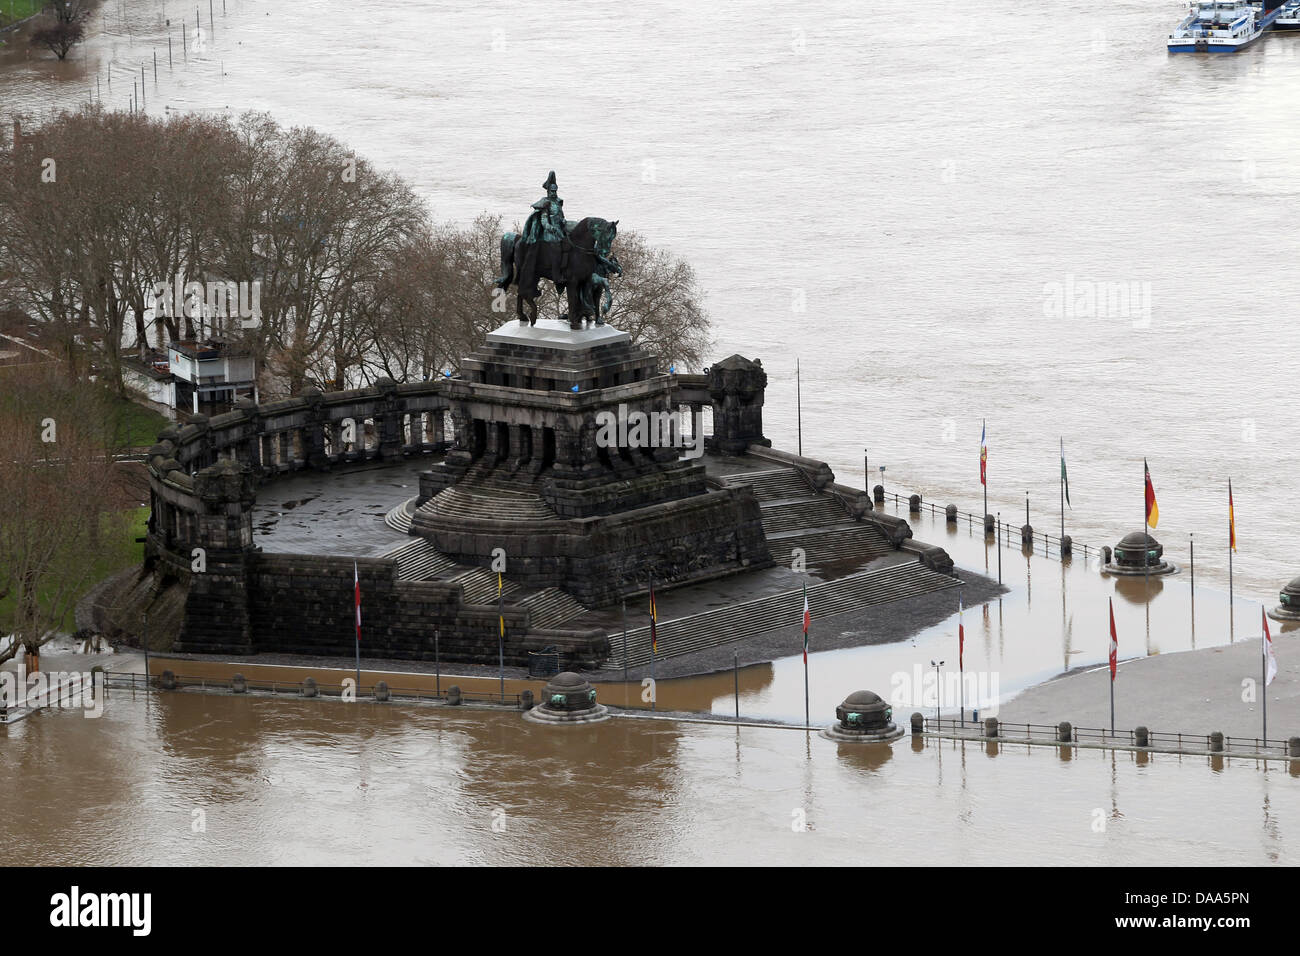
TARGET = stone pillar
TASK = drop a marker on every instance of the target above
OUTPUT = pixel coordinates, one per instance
(737, 386)
(216, 617)
(538, 440)
(388, 420)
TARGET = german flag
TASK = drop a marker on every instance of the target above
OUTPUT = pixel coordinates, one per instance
(654, 620)
(1232, 520)
(1153, 511)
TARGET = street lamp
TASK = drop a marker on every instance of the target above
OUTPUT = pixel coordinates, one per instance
(938, 689)
(882, 482)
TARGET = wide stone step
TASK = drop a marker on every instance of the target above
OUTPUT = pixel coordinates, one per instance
(455, 502)
(399, 519)
(420, 561)
(862, 542)
(480, 587)
(821, 511)
(551, 607)
(772, 485)
(777, 612)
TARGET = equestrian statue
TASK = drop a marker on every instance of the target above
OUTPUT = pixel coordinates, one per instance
(575, 256)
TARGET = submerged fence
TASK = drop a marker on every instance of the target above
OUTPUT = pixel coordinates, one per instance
(1064, 734)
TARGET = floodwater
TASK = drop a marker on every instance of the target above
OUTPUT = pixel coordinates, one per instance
(206, 779)
(1040, 218)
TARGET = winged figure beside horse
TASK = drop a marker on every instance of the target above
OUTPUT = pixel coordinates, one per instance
(575, 256)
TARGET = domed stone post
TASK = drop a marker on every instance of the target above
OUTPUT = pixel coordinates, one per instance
(864, 717)
(568, 699)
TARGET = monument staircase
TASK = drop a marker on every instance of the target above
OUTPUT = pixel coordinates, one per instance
(794, 516)
(548, 607)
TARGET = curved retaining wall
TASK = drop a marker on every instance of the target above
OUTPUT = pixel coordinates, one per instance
(203, 478)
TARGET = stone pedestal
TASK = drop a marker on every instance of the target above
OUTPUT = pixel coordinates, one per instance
(570, 456)
(568, 699)
(863, 718)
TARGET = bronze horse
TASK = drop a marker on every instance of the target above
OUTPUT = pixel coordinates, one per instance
(578, 266)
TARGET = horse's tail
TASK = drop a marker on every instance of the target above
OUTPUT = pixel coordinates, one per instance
(507, 261)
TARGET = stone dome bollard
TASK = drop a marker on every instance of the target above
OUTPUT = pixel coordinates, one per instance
(167, 680)
(1064, 732)
(878, 493)
(864, 717)
(1027, 535)
(914, 504)
(1216, 742)
(567, 698)
(1293, 747)
(381, 691)
(989, 522)
(1067, 545)
(1105, 554)
(309, 687)
(239, 684)
(918, 722)
(453, 695)
(1142, 737)
(1139, 553)
(990, 726)
(950, 514)
(526, 700)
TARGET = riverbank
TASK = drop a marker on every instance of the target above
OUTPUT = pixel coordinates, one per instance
(1197, 691)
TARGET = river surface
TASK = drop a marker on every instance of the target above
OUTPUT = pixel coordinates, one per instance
(205, 779)
(1039, 218)
(919, 211)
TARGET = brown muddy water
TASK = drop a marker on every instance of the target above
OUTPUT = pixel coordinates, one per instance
(188, 778)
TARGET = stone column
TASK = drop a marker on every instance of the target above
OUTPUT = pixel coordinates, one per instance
(737, 386)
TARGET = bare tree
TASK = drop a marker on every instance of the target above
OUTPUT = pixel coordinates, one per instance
(62, 27)
(61, 491)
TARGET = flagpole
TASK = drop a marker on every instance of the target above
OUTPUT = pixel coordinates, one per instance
(1264, 641)
(1231, 610)
(984, 477)
(798, 404)
(1062, 491)
(807, 714)
(356, 576)
(961, 661)
(654, 688)
(501, 634)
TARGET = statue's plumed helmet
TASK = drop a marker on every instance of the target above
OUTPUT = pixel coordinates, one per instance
(550, 182)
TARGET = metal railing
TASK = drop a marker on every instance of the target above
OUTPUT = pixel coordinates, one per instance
(1156, 741)
(1008, 531)
(133, 681)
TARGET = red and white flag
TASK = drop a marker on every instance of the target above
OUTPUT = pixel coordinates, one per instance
(356, 597)
(807, 622)
(961, 637)
(1114, 642)
(1270, 662)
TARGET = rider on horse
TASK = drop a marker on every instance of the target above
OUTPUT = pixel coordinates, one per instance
(546, 224)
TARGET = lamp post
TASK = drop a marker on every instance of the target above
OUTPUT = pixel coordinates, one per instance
(882, 480)
(866, 469)
(938, 690)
